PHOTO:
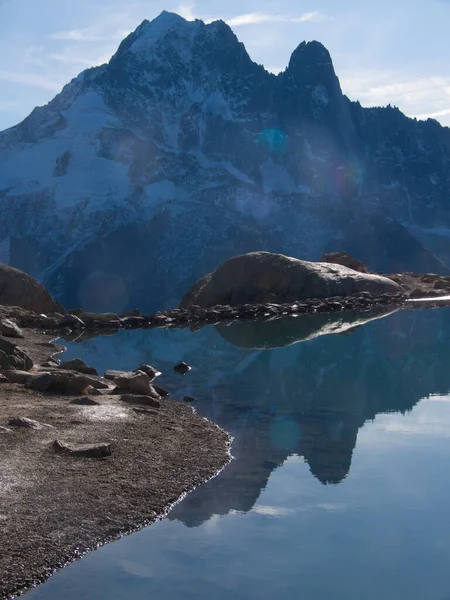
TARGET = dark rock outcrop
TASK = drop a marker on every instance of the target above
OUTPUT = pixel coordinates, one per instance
(13, 357)
(261, 277)
(19, 289)
(343, 258)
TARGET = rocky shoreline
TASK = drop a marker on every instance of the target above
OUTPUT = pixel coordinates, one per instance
(86, 459)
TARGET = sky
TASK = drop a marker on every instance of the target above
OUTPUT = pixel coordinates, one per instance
(384, 52)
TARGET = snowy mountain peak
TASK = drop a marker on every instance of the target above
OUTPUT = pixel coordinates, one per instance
(151, 32)
(182, 151)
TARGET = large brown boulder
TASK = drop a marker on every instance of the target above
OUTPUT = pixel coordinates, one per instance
(260, 277)
(343, 258)
(19, 289)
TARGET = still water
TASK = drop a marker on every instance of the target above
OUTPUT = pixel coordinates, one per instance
(340, 486)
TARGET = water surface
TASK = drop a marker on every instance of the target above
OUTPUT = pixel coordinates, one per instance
(339, 488)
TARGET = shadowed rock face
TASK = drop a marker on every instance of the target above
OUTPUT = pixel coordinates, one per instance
(260, 277)
(19, 289)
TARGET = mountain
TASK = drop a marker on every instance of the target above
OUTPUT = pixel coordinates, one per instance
(147, 172)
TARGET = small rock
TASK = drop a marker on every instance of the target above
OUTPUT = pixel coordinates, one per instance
(132, 321)
(22, 377)
(3, 378)
(5, 430)
(10, 329)
(76, 364)
(30, 423)
(189, 399)
(49, 364)
(182, 368)
(71, 321)
(140, 399)
(149, 370)
(87, 450)
(136, 383)
(85, 401)
(111, 374)
(13, 357)
(160, 391)
(92, 391)
(63, 383)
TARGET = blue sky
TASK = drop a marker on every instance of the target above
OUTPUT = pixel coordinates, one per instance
(387, 51)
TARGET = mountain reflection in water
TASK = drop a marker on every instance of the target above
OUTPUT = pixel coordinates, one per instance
(285, 387)
(374, 519)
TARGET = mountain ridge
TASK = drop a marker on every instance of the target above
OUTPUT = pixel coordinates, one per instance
(181, 152)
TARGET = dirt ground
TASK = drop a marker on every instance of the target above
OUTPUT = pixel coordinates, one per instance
(54, 507)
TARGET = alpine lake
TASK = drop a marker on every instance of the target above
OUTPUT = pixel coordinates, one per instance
(339, 487)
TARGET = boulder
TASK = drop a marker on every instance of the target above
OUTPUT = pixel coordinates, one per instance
(111, 374)
(19, 289)
(136, 383)
(29, 423)
(76, 364)
(9, 329)
(17, 376)
(263, 277)
(100, 450)
(342, 258)
(62, 383)
(160, 391)
(149, 370)
(13, 357)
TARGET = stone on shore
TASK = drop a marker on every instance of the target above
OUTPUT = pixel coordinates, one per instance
(85, 401)
(28, 423)
(149, 370)
(17, 376)
(85, 450)
(9, 329)
(345, 259)
(13, 357)
(263, 277)
(63, 383)
(20, 289)
(76, 364)
(141, 399)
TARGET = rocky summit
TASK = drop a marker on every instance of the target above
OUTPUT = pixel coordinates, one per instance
(149, 171)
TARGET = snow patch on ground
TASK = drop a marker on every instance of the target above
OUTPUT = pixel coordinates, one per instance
(32, 169)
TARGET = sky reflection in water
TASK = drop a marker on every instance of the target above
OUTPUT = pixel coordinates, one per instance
(340, 485)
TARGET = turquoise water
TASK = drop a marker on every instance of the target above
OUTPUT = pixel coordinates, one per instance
(340, 485)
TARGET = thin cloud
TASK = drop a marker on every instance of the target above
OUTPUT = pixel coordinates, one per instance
(31, 79)
(186, 10)
(76, 35)
(258, 18)
(422, 97)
